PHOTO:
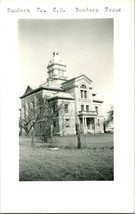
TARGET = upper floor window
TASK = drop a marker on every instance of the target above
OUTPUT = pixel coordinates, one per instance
(82, 107)
(66, 108)
(50, 73)
(87, 107)
(83, 91)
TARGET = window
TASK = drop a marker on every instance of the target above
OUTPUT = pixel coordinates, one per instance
(85, 94)
(87, 107)
(82, 107)
(33, 104)
(66, 108)
(54, 123)
(40, 110)
(83, 91)
(83, 86)
(67, 123)
(51, 73)
(98, 122)
(53, 108)
(29, 108)
(24, 110)
(96, 109)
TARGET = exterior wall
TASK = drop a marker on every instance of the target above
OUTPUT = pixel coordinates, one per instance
(99, 105)
(64, 123)
(73, 87)
(65, 129)
(84, 101)
(99, 125)
(47, 93)
(25, 102)
(92, 122)
(67, 120)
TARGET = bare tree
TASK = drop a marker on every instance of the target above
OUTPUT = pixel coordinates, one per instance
(45, 121)
(110, 114)
(38, 113)
(29, 121)
(110, 117)
(41, 116)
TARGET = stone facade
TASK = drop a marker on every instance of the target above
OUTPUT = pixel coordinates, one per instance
(75, 95)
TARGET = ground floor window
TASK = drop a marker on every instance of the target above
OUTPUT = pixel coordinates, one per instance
(67, 123)
(54, 123)
(96, 109)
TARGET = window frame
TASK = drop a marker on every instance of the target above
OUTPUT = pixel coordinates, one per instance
(87, 108)
(67, 123)
(83, 91)
(82, 107)
(66, 109)
(96, 109)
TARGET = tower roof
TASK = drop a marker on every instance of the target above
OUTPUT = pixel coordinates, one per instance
(56, 59)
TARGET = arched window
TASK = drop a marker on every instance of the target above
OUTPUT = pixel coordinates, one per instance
(83, 91)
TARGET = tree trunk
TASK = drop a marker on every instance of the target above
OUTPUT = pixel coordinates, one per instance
(104, 125)
(52, 134)
(32, 140)
(78, 136)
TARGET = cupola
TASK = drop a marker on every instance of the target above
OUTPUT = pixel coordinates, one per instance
(56, 70)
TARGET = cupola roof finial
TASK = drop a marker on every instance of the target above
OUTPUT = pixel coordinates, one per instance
(56, 52)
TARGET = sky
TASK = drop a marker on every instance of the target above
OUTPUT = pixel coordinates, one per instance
(85, 45)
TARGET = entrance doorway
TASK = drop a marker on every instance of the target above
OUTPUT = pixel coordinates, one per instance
(90, 123)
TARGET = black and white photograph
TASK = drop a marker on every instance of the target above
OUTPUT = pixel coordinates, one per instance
(66, 114)
(67, 106)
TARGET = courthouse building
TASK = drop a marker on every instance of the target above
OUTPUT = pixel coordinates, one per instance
(76, 95)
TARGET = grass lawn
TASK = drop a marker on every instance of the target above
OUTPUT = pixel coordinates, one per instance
(93, 162)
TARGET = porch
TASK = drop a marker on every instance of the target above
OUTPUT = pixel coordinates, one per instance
(88, 121)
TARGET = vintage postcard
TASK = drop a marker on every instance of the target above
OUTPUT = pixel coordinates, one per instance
(67, 106)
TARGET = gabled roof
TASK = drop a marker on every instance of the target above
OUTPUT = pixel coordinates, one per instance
(30, 90)
(62, 95)
(75, 78)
